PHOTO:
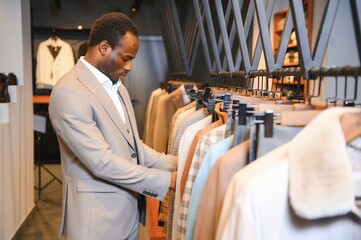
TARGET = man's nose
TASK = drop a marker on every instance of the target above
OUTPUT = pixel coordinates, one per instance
(128, 66)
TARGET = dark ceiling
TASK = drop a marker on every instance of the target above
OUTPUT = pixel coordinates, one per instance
(69, 14)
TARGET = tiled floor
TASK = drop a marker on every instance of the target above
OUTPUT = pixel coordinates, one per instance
(44, 221)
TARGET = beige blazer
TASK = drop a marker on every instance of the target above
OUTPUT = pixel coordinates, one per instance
(104, 168)
(167, 106)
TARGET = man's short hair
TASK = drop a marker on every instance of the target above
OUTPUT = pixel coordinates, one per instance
(111, 27)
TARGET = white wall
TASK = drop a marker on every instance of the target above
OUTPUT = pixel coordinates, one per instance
(16, 119)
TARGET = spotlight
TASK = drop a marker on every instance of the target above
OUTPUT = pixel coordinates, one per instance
(136, 5)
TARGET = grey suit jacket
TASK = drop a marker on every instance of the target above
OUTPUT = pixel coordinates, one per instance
(104, 168)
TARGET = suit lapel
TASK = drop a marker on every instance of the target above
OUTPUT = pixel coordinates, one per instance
(128, 108)
(127, 103)
(93, 85)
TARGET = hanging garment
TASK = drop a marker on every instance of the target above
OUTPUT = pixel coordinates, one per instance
(185, 123)
(151, 123)
(215, 190)
(222, 119)
(214, 152)
(281, 135)
(304, 189)
(167, 106)
(148, 113)
(184, 146)
(54, 58)
(177, 118)
(167, 205)
(205, 141)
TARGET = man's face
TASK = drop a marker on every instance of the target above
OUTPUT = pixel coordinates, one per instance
(117, 62)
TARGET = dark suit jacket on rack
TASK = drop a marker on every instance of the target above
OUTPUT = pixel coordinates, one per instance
(104, 168)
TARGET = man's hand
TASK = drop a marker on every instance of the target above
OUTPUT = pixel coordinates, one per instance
(173, 180)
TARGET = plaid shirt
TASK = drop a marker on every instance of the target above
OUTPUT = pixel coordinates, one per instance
(173, 122)
(205, 141)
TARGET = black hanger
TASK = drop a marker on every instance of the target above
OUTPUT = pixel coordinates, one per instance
(54, 34)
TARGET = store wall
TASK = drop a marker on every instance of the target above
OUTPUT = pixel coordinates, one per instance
(150, 68)
(16, 119)
(342, 51)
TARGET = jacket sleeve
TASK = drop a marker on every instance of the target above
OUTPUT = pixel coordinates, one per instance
(154, 159)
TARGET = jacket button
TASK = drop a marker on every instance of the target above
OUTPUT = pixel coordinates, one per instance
(134, 155)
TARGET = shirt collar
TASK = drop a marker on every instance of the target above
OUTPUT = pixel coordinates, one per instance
(320, 179)
(101, 77)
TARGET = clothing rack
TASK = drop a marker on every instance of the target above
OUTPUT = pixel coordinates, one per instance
(346, 75)
(230, 61)
(233, 58)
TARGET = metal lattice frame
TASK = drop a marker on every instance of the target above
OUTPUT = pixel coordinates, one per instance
(181, 48)
(201, 25)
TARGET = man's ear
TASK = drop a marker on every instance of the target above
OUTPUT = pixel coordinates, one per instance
(104, 47)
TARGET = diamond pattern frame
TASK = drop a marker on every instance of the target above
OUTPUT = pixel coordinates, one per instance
(182, 49)
(356, 16)
(226, 46)
(307, 58)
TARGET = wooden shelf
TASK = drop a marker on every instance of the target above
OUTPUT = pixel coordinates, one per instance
(292, 45)
(279, 19)
(291, 64)
(41, 99)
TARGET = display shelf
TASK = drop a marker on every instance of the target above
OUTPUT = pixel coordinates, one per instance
(279, 19)
(292, 45)
(4, 113)
(13, 92)
(291, 64)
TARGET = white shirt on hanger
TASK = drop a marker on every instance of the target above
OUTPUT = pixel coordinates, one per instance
(302, 190)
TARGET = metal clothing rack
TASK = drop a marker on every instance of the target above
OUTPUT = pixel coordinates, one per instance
(224, 37)
(39, 131)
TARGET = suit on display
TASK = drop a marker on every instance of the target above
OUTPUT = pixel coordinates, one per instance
(106, 168)
(54, 58)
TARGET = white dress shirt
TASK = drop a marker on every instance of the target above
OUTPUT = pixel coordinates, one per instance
(112, 89)
(304, 189)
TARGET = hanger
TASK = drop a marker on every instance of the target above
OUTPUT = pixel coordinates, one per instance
(336, 72)
(351, 126)
(54, 35)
